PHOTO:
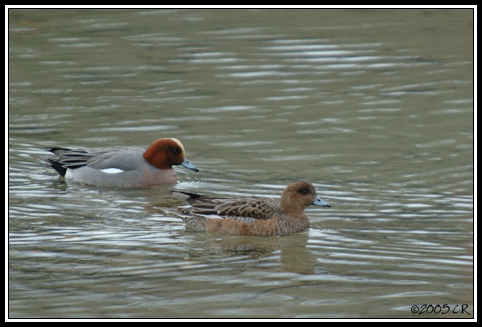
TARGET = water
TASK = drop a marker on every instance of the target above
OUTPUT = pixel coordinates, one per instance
(374, 107)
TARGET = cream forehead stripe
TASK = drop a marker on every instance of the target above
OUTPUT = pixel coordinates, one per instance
(178, 143)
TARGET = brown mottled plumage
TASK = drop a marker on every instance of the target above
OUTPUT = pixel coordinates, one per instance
(260, 216)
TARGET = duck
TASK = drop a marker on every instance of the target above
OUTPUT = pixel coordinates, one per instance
(252, 215)
(121, 166)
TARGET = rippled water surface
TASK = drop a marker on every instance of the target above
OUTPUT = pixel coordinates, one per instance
(374, 107)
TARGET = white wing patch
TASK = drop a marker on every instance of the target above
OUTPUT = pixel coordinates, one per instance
(112, 170)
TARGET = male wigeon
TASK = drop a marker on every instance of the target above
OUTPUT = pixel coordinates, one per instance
(259, 216)
(122, 166)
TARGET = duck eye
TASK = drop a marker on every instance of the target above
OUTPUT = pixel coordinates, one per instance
(304, 191)
(175, 150)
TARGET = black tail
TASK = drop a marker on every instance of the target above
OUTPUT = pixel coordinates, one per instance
(55, 165)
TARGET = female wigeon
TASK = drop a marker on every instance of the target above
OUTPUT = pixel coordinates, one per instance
(122, 166)
(260, 216)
